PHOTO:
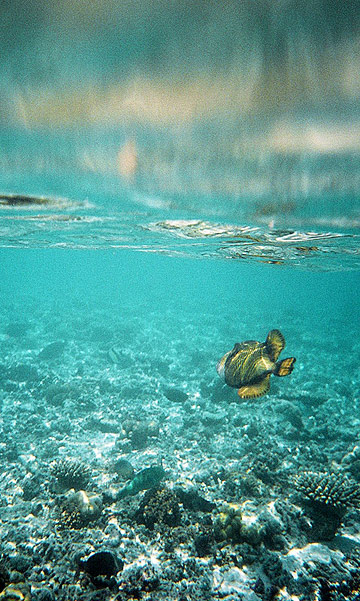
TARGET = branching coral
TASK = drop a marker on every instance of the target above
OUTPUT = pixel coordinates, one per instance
(70, 473)
(327, 497)
(329, 490)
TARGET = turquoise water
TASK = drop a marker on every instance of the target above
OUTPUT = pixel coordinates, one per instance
(114, 314)
(225, 290)
(176, 178)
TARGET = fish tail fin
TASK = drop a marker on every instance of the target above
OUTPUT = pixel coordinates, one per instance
(275, 343)
(284, 367)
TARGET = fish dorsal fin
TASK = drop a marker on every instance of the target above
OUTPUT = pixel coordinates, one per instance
(254, 390)
(275, 342)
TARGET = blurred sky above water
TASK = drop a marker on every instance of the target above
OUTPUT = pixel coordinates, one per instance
(171, 61)
(224, 82)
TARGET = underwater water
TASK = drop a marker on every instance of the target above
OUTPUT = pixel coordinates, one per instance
(111, 329)
(196, 187)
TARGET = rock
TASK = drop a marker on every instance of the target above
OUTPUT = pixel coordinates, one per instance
(175, 395)
(233, 582)
(52, 350)
(102, 563)
(212, 419)
(17, 329)
(42, 594)
(193, 501)
(22, 373)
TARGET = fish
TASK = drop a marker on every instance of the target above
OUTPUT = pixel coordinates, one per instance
(249, 365)
(114, 354)
(143, 480)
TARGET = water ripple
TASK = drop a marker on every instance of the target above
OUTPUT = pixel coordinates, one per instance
(46, 222)
(320, 250)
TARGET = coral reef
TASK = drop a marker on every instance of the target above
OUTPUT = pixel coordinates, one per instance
(329, 490)
(159, 507)
(70, 473)
(98, 463)
(228, 524)
(327, 497)
(77, 509)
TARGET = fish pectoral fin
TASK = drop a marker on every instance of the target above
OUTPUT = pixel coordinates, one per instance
(275, 343)
(284, 367)
(254, 390)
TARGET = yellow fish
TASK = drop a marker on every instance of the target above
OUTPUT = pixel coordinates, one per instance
(250, 364)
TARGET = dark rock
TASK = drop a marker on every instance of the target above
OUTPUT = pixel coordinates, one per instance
(291, 413)
(108, 426)
(17, 329)
(20, 563)
(10, 450)
(139, 437)
(42, 594)
(274, 569)
(354, 469)
(4, 576)
(100, 334)
(175, 395)
(31, 486)
(139, 432)
(204, 544)
(193, 501)
(52, 350)
(102, 563)
(23, 373)
(137, 582)
(213, 419)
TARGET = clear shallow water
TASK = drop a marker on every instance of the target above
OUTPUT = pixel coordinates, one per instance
(194, 188)
(221, 301)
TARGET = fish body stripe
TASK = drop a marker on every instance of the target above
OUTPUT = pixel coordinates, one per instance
(246, 366)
